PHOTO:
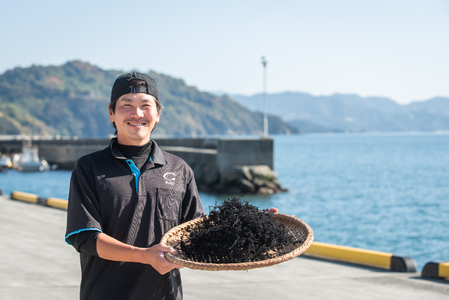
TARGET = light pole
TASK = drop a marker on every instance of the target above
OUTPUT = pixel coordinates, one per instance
(265, 117)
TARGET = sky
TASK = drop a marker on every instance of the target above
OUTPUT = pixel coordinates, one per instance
(386, 48)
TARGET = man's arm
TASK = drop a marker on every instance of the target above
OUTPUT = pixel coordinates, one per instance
(112, 249)
(85, 241)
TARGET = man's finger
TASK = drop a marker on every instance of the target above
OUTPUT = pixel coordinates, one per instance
(273, 210)
(166, 248)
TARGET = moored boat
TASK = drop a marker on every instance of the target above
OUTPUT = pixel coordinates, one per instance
(28, 161)
(5, 162)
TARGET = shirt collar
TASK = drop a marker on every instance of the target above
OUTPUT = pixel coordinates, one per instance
(157, 156)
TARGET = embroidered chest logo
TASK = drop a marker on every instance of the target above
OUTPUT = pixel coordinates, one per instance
(170, 178)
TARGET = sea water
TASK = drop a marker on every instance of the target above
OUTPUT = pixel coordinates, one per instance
(383, 192)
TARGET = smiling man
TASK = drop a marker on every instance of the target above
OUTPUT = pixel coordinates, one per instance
(134, 114)
(124, 198)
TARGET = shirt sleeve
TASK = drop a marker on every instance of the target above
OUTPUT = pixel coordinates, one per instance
(191, 204)
(83, 206)
(85, 242)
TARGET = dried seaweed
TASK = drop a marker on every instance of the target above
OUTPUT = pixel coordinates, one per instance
(235, 232)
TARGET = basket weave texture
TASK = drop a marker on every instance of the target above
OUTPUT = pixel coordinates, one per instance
(294, 226)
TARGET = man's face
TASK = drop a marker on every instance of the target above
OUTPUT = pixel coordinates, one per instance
(135, 117)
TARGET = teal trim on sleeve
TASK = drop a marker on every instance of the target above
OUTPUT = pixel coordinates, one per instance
(136, 173)
(78, 231)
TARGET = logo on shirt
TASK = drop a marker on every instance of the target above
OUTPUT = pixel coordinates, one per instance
(170, 178)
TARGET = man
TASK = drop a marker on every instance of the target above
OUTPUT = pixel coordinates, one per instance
(124, 198)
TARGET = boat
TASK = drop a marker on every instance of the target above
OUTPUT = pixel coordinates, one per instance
(28, 161)
(5, 162)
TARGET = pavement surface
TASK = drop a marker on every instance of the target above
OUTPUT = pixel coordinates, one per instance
(36, 263)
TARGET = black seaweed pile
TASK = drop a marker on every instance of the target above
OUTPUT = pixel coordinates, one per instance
(236, 232)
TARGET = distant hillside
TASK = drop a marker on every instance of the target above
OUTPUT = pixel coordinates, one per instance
(352, 113)
(72, 100)
(435, 106)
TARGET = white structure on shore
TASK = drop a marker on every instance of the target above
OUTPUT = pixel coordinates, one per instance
(28, 160)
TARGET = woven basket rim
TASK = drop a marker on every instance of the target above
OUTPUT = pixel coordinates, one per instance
(244, 265)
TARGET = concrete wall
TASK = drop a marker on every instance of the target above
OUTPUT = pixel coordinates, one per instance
(198, 143)
(213, 152)
(213, 160)
(65, 156)
(231, 153)
(64, 153)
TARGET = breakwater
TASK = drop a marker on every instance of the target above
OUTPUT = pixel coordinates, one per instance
(221, 165)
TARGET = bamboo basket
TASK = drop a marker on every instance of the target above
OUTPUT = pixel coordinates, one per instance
(295, 226)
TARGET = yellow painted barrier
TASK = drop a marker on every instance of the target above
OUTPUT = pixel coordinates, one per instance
(443, 270)
(362, 257)
(30, 198)
(435, 269)
(57, 203)
(349, 254)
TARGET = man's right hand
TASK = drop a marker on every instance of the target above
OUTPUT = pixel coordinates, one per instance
(112, 249)
(157, 260)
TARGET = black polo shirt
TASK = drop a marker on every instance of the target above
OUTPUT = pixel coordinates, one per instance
(109, 194)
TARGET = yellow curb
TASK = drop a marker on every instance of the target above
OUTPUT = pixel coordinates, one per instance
(30, 198)
(349, 254)
(57, 203)
(443, 270)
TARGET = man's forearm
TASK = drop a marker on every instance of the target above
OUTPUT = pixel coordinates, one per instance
(111, 249)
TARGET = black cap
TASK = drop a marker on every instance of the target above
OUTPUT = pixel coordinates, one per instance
(121, 86)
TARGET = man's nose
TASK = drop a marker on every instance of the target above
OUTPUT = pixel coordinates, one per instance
(138, 111)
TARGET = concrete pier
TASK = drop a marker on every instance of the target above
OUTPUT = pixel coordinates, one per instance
(226, 152)
(213, 160)
(37, 264)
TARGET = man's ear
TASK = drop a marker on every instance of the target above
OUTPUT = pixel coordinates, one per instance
(111, 114)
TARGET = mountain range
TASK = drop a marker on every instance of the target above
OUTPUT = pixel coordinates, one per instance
(72, 100)
(352, 113)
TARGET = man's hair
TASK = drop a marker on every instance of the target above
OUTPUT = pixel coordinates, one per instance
(136, 83)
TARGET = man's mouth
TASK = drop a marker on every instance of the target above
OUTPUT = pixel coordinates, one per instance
(136, 124)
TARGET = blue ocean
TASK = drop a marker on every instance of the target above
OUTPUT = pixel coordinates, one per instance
(384, 192)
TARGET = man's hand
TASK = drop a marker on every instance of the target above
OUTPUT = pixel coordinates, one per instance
(157, 260)
(112, 249)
